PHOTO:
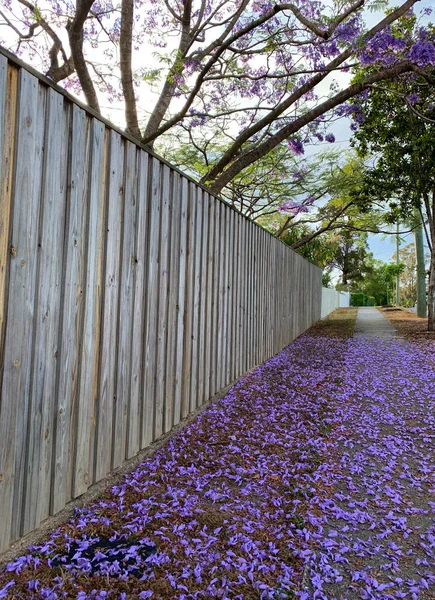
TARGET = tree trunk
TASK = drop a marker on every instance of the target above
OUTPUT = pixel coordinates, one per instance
(431, 293)
(125, 51)
(76, 37)
(170, 85)
(397, 262)
(421, 268)
(430, 213)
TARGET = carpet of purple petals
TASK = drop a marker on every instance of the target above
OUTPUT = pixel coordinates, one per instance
(218, 512)
(320, 461)
(375, 535)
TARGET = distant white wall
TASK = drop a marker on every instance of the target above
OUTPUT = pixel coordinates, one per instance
(344, 299)
(331, 300)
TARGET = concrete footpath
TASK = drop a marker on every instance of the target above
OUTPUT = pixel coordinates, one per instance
(372, 323)
(376, 534)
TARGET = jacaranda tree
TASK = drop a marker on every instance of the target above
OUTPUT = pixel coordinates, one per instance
(262, 72)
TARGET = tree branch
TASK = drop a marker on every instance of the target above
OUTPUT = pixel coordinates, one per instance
(75, 35)
(294, 97)
(55, 72)
(125, 51)
(329, 225)
(170, 84)
(253, 155)
(151, 132)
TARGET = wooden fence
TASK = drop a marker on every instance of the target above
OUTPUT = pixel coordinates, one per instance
(128, 297)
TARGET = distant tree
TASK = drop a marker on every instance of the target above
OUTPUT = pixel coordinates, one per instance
(408, 277)
(351, 257)
(396, 123)
(320, 250)
(378, 280)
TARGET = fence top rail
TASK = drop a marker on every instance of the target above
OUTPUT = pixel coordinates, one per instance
(48, 82)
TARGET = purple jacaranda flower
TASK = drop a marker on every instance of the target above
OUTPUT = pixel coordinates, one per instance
(296, 146)
(422, 53)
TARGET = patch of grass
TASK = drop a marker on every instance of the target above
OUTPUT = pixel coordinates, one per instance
(340, 323)
(408, 324)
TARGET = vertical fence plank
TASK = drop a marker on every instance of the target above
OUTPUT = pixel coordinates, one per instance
(5, 91)
(203, 331)
(152, 305)
(8, 110)
(270, 288)
(22, 282)
(87, 398)
(125, 314)
(91, 356)
(247, 314)
(225, 296)
(251, 295)
(208, 291)
(173, 283)
(260, 297)
(215, 300)
(254, 294)
(229, 242)
(182, 199)
(188, 309)
(260, 313)
(163, 284)
(197, 199)
(109, 333)
(241, 299)
(75, 248)
(274, 296)
(247, 250)
(263, 296)
(234, 296)
(138, 331)
(221, 299)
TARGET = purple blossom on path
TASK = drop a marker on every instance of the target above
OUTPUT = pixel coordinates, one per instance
(219, 511)
(321, 461)
(376, 522)
(5, 588)
(330, 137)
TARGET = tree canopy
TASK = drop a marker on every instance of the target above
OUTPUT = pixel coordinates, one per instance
(264, 74)
(395, 122)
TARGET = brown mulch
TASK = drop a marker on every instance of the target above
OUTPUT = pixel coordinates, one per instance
(407, 323)
(339, 323)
